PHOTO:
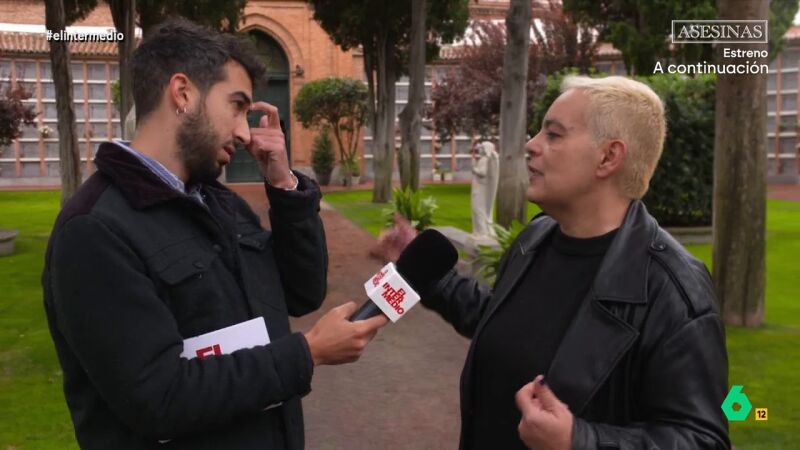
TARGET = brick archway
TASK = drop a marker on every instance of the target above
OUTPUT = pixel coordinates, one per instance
(294, 55)
(278, 32)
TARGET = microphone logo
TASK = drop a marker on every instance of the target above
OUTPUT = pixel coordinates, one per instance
(376, 280)
(394, 297)
(390, 292)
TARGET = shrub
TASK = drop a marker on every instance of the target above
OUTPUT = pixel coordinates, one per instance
(322, 157)
(14, 114)
(489, 257)
(411, 205)
(341, 104)
(350, 165)
(681, 188)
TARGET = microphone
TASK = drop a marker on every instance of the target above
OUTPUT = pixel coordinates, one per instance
(424, 262)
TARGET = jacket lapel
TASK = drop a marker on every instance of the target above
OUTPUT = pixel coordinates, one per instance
(594, 344)
(598, 338)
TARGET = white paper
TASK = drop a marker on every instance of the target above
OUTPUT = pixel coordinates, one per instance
(227, 340)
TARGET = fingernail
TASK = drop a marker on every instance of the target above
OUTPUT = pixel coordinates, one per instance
(541, 381)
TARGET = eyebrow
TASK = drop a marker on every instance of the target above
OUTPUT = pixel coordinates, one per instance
(549, 122)
(239, 95)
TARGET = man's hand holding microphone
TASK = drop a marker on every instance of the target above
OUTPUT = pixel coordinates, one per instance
(342, 334)
(336, 340)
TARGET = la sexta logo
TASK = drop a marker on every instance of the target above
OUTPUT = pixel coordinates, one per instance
(737, 406)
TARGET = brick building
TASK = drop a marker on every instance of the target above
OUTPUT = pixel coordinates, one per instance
(294, 47)
(296, 50)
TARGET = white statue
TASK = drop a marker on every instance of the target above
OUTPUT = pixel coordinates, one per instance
(485, 174)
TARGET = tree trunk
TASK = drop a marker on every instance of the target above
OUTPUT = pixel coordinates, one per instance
(68, 151)
(384, 142)
(410, 117)
(740, 186)
(123, 13)
(511, 202)
(150, 15)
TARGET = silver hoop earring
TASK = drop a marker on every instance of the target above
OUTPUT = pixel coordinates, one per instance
(179, 111)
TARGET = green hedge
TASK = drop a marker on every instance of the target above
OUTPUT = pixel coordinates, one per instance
(681, 189)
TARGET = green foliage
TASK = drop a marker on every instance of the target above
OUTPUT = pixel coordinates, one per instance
(681, 188)
(322, 157)
(357, 206)
(640, 28)
(489, 257)
(224, 16)
(341, 104)
(413, 206)
(781, 15)
(353, 23)
(75, 10)
(351, 165)
(763, 359)
(218, 15)
(14, 113)
(116, 93)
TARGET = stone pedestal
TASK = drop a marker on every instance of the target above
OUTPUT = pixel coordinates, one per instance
(691, 235)
(7, 238)
(467, 246)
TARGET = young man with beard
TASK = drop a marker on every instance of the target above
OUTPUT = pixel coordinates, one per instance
(612, 319)
(152, 250)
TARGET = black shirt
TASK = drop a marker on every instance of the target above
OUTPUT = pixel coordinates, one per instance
(521, 339)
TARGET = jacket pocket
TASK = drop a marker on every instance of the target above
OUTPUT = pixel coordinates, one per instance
(191, 265)
(192, 289)
(255, 241)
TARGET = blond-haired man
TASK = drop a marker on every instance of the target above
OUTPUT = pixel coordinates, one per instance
(613, 320)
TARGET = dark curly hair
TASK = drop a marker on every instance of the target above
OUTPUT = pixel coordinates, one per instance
(180, 46)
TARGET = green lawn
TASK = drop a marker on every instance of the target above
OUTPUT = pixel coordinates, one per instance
(32, 409)
(453, 201)
(33, 413)
(764, 360)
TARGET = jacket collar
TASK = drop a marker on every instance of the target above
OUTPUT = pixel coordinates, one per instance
(140, 186)
(614, 281)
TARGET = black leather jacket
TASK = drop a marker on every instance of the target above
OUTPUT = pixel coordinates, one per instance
(643, 364)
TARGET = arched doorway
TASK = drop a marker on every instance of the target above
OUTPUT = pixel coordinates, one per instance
(242, 168)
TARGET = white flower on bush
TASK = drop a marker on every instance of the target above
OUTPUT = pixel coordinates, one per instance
(45, 131)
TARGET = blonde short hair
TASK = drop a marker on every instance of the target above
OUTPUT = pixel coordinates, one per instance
(628, 110)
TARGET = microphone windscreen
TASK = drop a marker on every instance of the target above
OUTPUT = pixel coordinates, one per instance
(426, 260)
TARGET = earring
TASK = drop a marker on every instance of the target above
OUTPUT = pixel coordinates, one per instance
(179, 111)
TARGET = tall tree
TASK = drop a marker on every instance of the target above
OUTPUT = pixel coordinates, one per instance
(467, 98)
(123, 12)
(60, 13)
(68, 153)
(513, 174)
(224, 16)
(382, 29)
(640, 29)
(411, 115)
(740, 186)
